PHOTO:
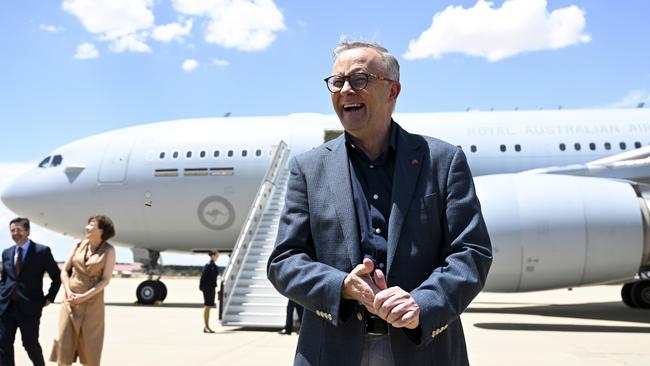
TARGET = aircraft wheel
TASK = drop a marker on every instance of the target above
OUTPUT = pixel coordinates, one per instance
(162, 291)
(148, 292)
(626, 294)
(641, 294)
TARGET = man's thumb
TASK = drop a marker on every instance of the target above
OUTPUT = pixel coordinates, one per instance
(368, 266)
(380, 280)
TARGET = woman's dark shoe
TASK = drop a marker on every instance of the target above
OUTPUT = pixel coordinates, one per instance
(207, 330)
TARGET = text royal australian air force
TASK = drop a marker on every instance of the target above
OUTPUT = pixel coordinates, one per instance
(559, 129)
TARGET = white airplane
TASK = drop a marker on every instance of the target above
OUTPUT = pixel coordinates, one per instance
(563, 192)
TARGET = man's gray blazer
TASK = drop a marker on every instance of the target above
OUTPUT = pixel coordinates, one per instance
(438, 250)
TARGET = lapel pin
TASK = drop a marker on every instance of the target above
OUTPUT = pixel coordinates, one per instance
(415, 162)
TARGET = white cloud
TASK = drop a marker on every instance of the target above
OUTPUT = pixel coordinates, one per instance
(172, 31)
(497, 33)
(244, 25)
(51, 28)
(632, 100)
(135, 42)
(122, 22)
(189, 65)
(86, 51)
(220, 62)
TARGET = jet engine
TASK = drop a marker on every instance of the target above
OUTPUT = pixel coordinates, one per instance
(553, 231)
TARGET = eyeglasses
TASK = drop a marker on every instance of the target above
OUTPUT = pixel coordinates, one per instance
(358, 81)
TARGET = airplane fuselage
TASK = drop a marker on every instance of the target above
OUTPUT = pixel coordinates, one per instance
(187, 185)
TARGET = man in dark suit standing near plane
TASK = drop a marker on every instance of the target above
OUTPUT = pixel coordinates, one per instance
(21, 292)
(382, 238)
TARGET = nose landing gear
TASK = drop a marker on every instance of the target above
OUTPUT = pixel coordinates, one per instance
(152, 290)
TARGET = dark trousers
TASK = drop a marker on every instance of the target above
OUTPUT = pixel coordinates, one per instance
(11, 320)
(288, 325)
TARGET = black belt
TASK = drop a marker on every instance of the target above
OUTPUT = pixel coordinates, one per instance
(375, 325)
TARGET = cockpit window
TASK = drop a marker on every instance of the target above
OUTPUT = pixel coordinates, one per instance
(56, 160)
(45, 163)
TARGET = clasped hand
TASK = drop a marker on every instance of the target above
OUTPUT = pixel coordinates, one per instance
(393, 304)
(74, 299)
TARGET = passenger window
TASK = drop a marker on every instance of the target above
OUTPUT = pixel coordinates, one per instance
(502, 148)
(637, 145)
(517, 148)
(562, 147)
(162, 155)
(57, 160)
(472, 148)
(188, 154)
(622, 145)
(230, 153)
(576, 146)
(244, 153)
(175, 155)
(215, 153)
(592, 146)
(258, 152)
(202, 154)
(44, 163)
(608, 146)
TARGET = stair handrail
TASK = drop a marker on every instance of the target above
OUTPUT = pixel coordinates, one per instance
(242, 247)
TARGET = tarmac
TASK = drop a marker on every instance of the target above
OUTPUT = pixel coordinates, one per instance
(583, 326)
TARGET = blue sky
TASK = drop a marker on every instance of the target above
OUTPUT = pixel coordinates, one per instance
(73, 68)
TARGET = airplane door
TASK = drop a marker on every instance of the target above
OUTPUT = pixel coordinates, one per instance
(115, 162)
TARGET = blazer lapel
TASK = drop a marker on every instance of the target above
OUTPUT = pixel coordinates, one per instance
(408, 163)
(29, 255)
(338, 178)
(13, 260)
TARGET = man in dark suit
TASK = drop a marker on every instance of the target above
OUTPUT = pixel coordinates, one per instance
(21, 292)
(381, 238)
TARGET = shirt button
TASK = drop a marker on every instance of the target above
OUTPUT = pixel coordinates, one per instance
(378, 230)
(359, 316)
(371, 166)
(374, 196)
(381, 265)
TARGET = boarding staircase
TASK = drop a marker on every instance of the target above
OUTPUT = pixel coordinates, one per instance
(247, 297)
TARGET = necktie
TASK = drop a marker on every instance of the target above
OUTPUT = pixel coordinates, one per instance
(18, 266)
(19, 260)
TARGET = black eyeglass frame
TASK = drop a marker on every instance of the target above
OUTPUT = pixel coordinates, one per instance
(347, 78)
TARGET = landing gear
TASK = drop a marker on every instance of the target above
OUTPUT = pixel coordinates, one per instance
(152, 290)
(636, 294)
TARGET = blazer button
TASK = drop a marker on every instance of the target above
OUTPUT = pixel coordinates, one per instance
(359, 316)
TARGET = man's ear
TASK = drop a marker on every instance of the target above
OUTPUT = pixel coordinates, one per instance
(395, 88)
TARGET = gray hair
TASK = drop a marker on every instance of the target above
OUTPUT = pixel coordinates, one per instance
(390, 61)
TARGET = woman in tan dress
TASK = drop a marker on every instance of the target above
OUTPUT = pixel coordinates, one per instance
(87, 271)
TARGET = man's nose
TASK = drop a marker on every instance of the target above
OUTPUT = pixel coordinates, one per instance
(347, 88)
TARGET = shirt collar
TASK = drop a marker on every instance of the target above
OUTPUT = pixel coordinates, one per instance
(392, 137)
(25, 247)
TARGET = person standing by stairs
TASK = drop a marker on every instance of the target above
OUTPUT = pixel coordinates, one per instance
(207, 285)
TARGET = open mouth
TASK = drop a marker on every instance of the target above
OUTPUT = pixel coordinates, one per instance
(352, 107)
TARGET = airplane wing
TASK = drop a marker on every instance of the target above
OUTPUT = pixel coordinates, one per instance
(631, 165)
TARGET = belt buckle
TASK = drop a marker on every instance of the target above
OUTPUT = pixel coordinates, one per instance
(375, 326)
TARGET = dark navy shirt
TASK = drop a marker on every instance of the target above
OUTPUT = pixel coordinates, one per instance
(372, 182)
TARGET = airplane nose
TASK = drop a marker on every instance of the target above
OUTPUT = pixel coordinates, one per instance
(8, 196)
(21, 195)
